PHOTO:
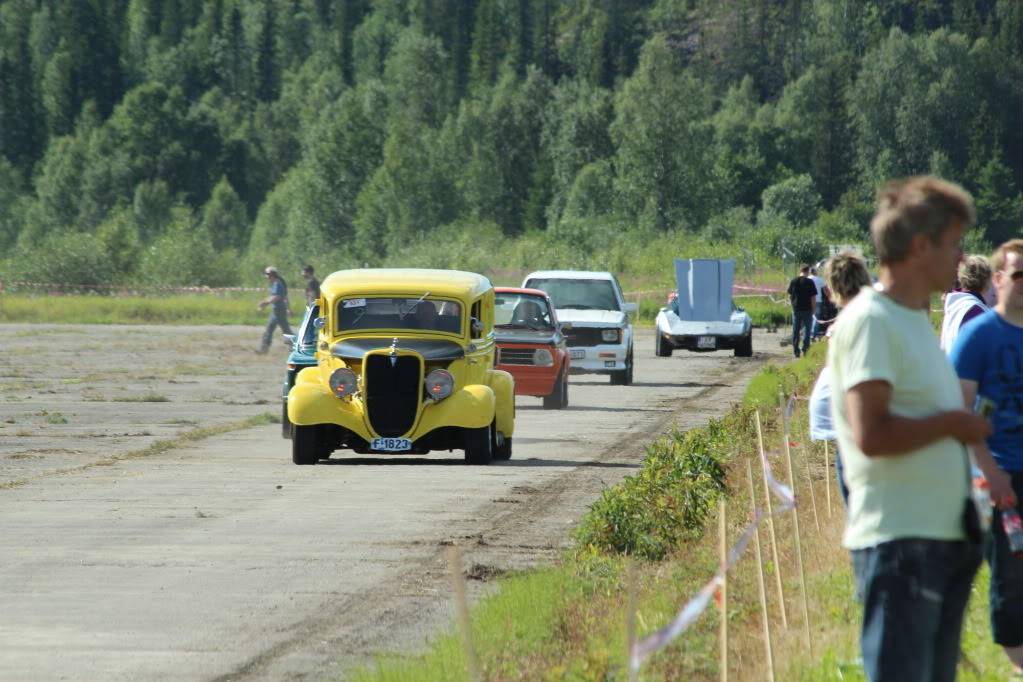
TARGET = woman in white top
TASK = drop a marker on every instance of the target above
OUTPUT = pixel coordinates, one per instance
(846, 274)
(968, 302)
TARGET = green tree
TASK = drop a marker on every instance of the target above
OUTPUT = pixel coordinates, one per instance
(794, 200)
(576, 132)
(224, 218)
(266, 69)
(664, 185)
(999, 202)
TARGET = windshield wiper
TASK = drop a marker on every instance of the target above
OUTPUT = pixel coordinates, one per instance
(401, 315)
(578, 306)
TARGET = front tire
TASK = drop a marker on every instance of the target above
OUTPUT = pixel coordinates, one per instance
(285, 422)
(502, 452)
(558, 398)
(662, 347)
(304, 445)
(744, 349)
(479, 445)
(623, 377)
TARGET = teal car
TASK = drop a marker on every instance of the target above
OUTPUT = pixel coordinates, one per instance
(303, 354)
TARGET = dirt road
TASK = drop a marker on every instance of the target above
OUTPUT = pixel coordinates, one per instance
(220, 559)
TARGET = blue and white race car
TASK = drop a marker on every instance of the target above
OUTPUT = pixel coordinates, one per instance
(702, 316)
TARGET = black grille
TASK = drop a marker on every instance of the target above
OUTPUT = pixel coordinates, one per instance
(392, 393)
(585, 336)
(515, 356)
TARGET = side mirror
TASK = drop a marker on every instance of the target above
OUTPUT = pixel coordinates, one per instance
(289, 339)
(475, 328)
(566, 327)
(320, 322)
(630, 307)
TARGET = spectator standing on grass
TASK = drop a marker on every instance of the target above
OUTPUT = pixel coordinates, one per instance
(898, 411)
(278, 302)
(818, 309)
(846, 275)
(803, 295)
(312, 285)
(968, 302)
(988, 356)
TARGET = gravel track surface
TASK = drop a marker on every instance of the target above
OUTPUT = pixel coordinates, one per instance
(219, 559)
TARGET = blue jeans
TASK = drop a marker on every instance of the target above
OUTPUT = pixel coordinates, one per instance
(801, 319)
(1006, 591)
(839, 468)
(914, 596)
(278, 316)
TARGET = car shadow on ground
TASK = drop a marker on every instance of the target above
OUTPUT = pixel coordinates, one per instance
(450, 461)
(683, 384)
(588, 408)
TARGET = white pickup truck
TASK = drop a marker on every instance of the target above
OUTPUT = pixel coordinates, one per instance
(595, 318)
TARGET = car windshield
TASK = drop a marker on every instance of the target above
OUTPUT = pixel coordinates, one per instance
(524, 311)
(419, 313)
(581, 294)
(307, 333)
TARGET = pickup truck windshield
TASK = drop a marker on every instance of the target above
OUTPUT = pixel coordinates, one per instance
(580, 294)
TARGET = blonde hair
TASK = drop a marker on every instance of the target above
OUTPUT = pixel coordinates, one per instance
(846, 274)
(975, 273)
(998, 257)
(918, 205)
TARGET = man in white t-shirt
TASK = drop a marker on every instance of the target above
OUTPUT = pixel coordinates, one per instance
(901, 427)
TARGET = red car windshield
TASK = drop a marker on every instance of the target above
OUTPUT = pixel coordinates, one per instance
(524, 311)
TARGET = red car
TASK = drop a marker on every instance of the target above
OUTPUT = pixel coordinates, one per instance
(531, 345)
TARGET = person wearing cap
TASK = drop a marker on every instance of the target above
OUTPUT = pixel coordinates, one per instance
(278, 302)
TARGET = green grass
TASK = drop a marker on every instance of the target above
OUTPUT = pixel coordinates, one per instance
(503, 632)
(143, 398)
(86, 309)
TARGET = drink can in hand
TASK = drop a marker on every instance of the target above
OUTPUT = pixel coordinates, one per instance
(1013, 526)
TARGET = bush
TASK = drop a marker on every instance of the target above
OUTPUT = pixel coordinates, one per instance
(69, 257)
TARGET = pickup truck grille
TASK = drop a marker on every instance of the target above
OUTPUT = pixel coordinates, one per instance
(392, 393)
(515, 356)
(585, 336)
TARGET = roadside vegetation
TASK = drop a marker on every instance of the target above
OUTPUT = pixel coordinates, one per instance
(568, 621)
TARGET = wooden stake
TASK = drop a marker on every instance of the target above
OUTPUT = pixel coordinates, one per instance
(795, 523)
(770, 523)
(827, 476)
(723, 547)
(813, 496)
(462, 612)
(760, 579)
(630, 623)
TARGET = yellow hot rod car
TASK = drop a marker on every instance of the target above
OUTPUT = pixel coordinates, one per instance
(405, 364)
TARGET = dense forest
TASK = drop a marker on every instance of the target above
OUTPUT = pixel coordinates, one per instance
(192, 141)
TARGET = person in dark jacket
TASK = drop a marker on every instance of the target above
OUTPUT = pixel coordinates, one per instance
(803, 294)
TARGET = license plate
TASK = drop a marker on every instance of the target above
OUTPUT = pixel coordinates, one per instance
(391, 444)
(609, 363)
(577, 354)
(706, 342)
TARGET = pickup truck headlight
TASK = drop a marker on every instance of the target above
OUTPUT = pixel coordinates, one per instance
(343, 382)
(611, 335)
(542, 357)
(439, 384)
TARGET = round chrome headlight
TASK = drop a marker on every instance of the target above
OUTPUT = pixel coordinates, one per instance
(439, 384)
(610, 335)
(343, 382)
(542, 357)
